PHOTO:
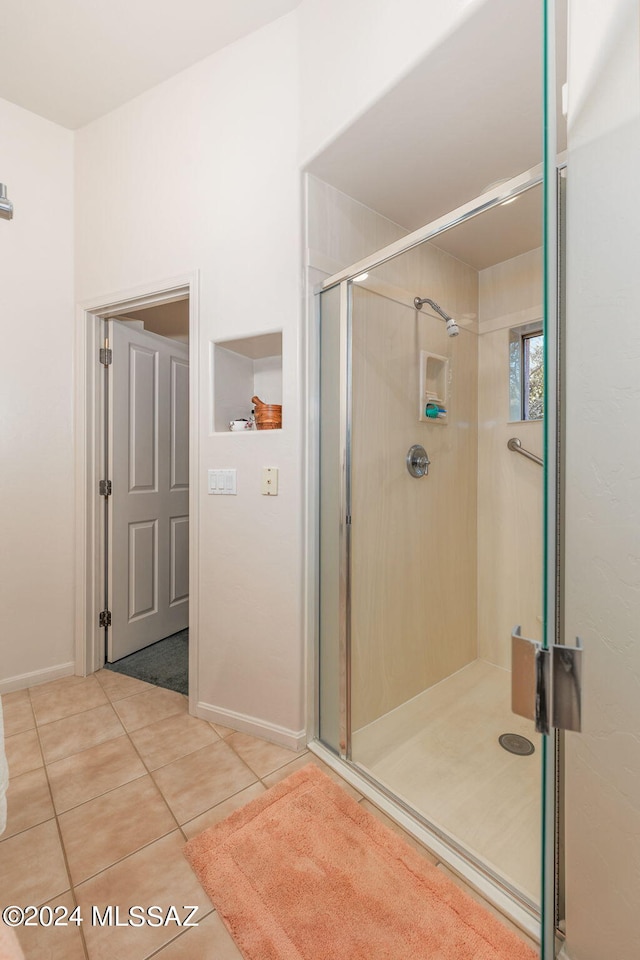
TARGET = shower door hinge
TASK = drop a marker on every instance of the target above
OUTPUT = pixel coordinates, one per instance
(105, 618)
(546, 683)
(105, 488)
(106, 356)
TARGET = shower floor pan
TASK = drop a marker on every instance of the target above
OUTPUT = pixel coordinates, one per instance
(440, 753)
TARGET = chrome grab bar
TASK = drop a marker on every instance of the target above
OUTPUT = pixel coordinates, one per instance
(515, 445)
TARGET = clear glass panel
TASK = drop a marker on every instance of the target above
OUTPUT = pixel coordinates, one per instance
(443, 567)
(331, 515)
(602, 525)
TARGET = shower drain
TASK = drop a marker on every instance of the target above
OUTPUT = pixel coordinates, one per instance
(514, 743)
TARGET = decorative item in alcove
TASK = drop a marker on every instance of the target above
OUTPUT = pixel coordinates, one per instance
(268, 415)
(243, 424)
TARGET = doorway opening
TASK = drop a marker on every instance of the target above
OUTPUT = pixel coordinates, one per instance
(146, 502)
(137, 520)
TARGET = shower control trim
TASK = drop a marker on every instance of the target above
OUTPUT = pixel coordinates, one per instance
(418, 461)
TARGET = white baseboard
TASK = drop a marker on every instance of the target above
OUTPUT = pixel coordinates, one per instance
(37, 677)
(294, 740)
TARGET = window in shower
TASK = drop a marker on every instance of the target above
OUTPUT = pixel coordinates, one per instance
(526, 372)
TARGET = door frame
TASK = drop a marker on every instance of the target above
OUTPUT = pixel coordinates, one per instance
(89, 424)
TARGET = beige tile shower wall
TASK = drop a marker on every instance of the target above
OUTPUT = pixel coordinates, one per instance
(341, 231)
(413, 587)
(509, 486)
(414, 544)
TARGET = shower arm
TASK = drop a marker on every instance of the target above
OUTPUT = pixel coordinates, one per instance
(452, 326)
(419, 301)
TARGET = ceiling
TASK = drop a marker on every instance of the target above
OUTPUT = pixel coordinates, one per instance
(468, 115)
(72, 61)
(165, 319)
(498, 234)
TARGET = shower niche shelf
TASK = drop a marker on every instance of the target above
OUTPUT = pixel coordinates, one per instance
(243, 368)
(434, 386)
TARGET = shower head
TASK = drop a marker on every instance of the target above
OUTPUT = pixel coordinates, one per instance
(452, 327)
(6, 207)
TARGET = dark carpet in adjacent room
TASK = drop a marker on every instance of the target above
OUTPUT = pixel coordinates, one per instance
(165, 663)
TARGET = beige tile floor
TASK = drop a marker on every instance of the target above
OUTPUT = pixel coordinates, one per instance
(440, 753)
(109, 777)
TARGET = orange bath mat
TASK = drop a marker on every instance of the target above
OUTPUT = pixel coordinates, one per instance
(304, 873)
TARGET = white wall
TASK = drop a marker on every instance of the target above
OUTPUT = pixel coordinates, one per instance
(201, 173)
(353, 52)
(603, 478)
(36, 431)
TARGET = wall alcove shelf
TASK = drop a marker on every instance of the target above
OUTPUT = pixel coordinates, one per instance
(434, 384)
(243, 368)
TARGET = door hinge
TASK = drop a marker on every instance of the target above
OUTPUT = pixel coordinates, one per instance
(349, 519)
(106, 356)
(105, 488)
(546, 683)
(105, 618)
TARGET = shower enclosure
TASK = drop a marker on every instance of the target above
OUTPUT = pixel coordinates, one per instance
(425, 573)
(439, 495)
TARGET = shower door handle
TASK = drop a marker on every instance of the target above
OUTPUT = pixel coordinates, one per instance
(546, 683)
(529, 680)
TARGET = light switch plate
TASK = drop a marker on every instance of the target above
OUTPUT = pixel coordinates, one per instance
(222, 482)
(270, 481)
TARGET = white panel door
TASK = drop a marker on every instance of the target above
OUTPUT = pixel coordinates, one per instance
(148, 565)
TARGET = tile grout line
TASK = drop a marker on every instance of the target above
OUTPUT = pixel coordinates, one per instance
(107, 792)
(259, 779)
(66, 716)
(153, 780)
(149, 773)
(151, 722)
(82, 750)
(72, 886)
(60, 837)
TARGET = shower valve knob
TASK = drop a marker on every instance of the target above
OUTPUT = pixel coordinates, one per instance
(418, 461)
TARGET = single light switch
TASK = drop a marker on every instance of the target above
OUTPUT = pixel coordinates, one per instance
(270, 481)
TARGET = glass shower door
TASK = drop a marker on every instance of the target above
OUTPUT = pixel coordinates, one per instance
(424, 577)
(435, 588)
(403, 569)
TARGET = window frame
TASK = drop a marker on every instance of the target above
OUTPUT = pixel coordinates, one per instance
(519, 371)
